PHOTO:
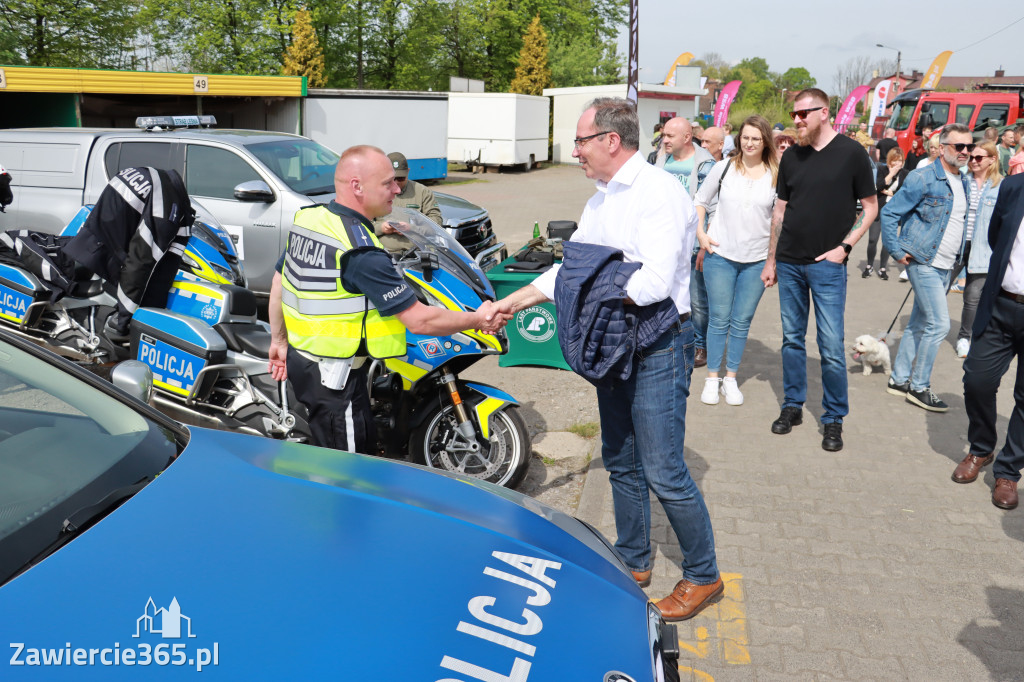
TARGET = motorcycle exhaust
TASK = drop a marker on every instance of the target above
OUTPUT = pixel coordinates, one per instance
(176, 410)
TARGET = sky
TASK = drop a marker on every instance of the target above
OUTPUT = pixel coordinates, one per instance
(792, 35)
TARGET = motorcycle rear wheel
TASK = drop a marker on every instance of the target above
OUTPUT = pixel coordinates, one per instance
(436, 444)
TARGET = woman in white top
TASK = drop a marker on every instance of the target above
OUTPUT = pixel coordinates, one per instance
(737, 245)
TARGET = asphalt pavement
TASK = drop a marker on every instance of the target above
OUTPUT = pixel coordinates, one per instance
(863, 564)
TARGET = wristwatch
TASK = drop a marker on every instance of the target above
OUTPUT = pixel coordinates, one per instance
(846, 247)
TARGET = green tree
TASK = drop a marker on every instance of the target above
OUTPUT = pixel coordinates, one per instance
(304, 57)
(796, 79)
(83, 33)
(221, 36)
(580, 62)
(532, 72)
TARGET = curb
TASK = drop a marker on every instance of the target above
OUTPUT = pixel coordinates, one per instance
(591, 505)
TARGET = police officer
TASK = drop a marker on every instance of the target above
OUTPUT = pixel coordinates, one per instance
(337, 300)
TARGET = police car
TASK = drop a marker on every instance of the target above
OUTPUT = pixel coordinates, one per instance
(128, 541)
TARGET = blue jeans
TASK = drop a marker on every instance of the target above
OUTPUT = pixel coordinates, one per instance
(823, 282)
(643, 422)
(928, 326)
(734, 290)
(698, 303)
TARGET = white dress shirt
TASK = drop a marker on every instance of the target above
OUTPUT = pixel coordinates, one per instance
(644, 212)
(1013, 280)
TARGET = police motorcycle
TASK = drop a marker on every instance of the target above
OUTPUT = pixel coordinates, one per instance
(421, 407)
(206, 349)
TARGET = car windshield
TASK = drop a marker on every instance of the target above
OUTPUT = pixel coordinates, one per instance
(303, 165)
(65, 446)
(901, 113)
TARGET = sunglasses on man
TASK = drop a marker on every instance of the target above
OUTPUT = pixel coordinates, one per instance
(960, 146)
(803, 113)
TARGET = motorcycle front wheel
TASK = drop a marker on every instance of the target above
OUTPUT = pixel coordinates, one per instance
(501, 460)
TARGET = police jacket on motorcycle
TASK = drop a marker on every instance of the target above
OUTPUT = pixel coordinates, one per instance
(134, 238)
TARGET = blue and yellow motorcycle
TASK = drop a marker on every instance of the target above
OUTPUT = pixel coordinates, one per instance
(206, 348)
(423, 409)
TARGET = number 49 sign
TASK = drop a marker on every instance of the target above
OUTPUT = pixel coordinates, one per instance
(3, 79)
(200, 84)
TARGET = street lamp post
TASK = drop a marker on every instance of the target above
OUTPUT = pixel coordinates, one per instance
(899, 54)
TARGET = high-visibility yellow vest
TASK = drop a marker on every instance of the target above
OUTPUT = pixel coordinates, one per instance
(321, 316)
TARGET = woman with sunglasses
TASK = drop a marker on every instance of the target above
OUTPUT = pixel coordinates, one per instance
(736, 243)
(889, 179)
(983, 187)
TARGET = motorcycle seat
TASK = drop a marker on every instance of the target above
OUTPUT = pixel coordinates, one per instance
(245, 337)
(87, 284)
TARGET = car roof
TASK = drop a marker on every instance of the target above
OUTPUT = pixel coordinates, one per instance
(230, 135)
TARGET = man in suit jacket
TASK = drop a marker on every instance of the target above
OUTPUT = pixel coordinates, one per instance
(999, 337)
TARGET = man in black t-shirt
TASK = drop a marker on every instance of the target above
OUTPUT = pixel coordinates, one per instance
(886, 144)
(819, 183)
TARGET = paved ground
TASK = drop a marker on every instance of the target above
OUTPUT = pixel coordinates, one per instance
(864, 564)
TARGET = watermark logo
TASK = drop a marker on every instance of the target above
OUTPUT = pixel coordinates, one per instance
(168, 623)
(164, 622)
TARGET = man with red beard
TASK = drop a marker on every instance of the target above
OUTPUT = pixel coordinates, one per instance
(814, 227)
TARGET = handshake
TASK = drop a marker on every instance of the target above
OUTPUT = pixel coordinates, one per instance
(493, 315)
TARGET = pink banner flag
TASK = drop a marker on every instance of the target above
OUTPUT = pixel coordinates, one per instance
(725, 98)
(849, 108)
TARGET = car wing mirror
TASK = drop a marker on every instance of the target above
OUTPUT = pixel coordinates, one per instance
(254, 190)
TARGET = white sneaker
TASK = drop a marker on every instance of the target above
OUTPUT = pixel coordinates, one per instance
(709, 396)
(731, 391)
(904, 277)
(963, 346)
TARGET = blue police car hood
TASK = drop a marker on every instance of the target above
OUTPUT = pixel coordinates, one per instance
(272, 560)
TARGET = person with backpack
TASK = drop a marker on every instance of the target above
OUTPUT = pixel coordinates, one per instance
(736, 241)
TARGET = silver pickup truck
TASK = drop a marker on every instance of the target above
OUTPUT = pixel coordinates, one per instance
(252, 182)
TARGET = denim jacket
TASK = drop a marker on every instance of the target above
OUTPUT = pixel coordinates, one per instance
(981, 252)
(915, 218)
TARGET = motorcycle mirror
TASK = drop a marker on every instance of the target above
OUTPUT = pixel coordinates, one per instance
(134, 378)
(429, 262)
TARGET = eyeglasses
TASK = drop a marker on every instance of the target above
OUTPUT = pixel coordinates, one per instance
(579, 142)
(802, 113)
(961, 146)
(978, 158)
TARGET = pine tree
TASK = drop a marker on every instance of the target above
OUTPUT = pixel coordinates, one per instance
(305, 57)
(533, 73)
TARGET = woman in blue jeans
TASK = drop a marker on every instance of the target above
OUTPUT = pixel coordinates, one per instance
(737, 246)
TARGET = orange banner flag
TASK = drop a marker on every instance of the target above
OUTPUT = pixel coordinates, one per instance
(934, 73)
(681, 60)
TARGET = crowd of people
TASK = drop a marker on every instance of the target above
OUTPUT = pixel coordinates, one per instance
(672, 256)
(931, 208)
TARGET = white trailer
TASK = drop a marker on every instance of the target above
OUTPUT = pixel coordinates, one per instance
(497, 129)
(413, 123)
(656, 104)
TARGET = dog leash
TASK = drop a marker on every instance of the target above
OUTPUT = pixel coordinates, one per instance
(893, 324)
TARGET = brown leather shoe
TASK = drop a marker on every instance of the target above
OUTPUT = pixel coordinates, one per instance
(642, 578)
(967, 471)
(1004, 495)
(687, 599)
(700, 357)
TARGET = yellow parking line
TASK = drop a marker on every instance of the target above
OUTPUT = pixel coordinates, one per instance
(730, 620)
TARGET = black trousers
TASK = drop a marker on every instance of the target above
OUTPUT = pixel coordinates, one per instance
(986, 363)
(338, 419)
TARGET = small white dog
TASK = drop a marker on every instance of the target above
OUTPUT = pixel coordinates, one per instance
(871, 352)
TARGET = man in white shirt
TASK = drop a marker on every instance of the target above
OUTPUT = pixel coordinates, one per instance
(998, 339)
(644, 212)
(923, 226)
